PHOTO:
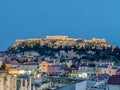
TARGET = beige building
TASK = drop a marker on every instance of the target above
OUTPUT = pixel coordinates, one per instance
(110, 70)
(7, 82)
(43, 66)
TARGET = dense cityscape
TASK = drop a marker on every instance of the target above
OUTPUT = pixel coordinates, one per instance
(59, 45)
(60, 63)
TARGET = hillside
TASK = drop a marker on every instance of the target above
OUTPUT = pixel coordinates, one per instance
(95, 49)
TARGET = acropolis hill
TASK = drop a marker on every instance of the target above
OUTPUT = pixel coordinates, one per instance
(63, 38)
(50, 45)
(59, 38)
(61, 42)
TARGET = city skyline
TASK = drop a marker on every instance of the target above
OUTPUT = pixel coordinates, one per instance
(59, 44)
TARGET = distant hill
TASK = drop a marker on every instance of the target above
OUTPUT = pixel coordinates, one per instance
(52, 44)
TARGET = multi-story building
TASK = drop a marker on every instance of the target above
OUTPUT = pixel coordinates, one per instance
(74, 73)
(29, 66)
(105, 63)
(43, 66)
(31, 54)
(87, 72)
(55, 70)
(110, 70)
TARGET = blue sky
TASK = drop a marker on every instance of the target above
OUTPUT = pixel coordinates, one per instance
(22, 19)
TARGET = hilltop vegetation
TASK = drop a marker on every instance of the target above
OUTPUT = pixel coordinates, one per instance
(94, 49)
